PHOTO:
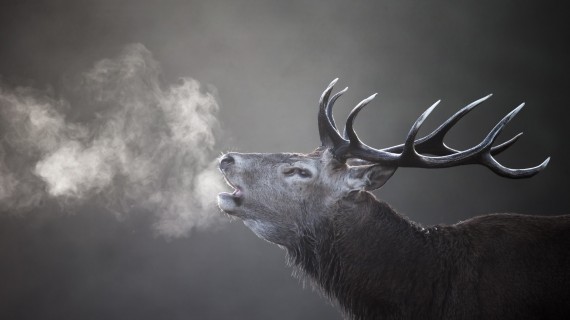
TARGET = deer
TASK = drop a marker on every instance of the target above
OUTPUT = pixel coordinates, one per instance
(375, 263)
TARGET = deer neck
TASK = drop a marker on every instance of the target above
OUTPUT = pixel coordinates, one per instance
(365, 254)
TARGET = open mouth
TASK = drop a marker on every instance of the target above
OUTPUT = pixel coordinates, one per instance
(237, 193)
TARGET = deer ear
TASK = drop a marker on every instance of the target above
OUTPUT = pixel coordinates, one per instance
(369, 177)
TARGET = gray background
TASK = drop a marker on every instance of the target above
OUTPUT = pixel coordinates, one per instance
(270, 62)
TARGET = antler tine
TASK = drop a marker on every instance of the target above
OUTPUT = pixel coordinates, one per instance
(503, 171)
(501, 125)
(409, 150)
(358, 149)
(330, 105)
(349, 132)
(505, 145)
(328, 134)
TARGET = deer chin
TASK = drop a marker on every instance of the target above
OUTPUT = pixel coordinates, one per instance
(229, 202)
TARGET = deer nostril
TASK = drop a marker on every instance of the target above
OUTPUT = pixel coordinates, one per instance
(226, 161)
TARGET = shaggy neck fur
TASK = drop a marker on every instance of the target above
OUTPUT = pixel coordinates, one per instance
(377, 264)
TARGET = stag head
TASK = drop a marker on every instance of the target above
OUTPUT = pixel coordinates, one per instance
(278, 195)
(281, 195)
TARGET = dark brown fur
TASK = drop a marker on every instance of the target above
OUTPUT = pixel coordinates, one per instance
(379, 265)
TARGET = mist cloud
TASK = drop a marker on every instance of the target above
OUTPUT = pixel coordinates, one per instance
(119, 138)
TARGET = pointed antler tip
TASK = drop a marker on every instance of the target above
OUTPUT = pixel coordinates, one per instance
(478, 101)
(433, 106)
(365, 101)
(517, 109)
(513, 113)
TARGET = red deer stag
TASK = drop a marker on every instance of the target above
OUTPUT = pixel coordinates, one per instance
(376, 263)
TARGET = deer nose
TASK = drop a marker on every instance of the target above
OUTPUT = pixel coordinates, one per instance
(226, 161)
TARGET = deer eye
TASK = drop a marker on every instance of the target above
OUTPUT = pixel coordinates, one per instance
(304, 173)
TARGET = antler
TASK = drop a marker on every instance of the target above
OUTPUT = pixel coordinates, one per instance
(411, 152)
(328, 133)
